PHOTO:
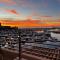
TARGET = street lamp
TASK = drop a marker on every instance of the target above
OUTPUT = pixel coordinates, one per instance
(19, 38)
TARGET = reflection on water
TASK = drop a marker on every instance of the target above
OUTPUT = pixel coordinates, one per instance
(46, 44)
(55, 35)
(49, 44)
(52, 43)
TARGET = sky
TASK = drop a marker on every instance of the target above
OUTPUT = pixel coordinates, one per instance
(30, 9)
(30, 13)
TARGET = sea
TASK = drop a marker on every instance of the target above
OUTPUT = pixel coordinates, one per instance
(56, 35)
(47, 44)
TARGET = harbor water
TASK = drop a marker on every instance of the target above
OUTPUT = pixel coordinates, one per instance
(47, 44)
(56, 35)
(54, 44)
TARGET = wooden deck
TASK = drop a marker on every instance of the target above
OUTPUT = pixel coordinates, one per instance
(30, 54)
(44, 53)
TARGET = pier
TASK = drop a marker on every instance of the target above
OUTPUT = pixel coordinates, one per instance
(36, 53)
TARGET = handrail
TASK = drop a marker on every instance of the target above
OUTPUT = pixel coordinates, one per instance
(8, 54)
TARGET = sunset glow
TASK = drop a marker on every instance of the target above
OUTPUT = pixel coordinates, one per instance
(28, 23)
(30, 13)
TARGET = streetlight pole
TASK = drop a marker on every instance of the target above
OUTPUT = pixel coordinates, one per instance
(19, 37)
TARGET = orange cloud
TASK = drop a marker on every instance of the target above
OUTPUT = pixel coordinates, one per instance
(10, 11)
(33, 14)
(13, 12)
(47, 16)
(29, 17)
(9, 2)
(29, 23)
